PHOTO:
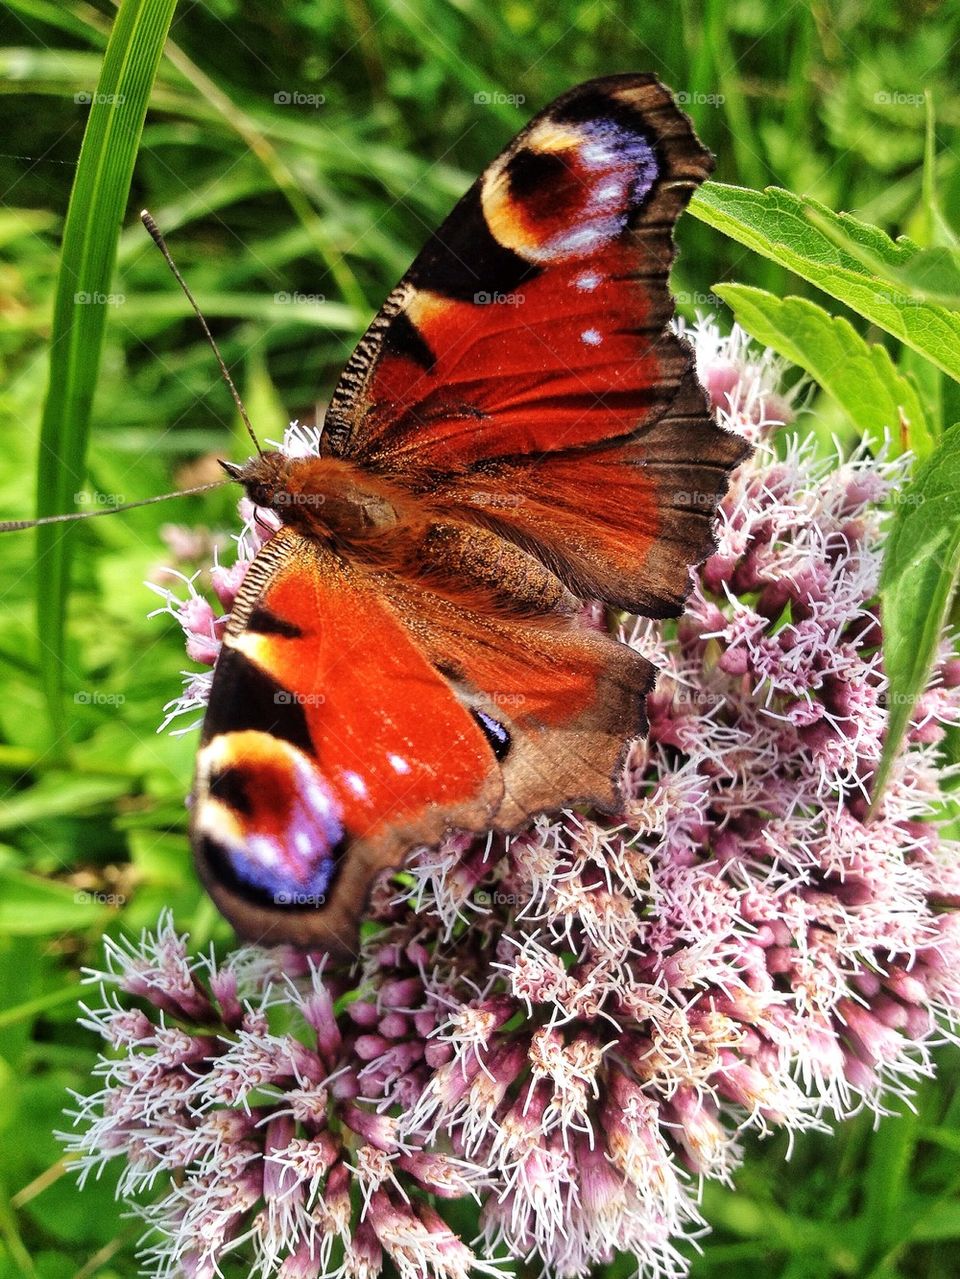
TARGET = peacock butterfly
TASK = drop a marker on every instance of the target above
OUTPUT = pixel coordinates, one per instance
(517, 432)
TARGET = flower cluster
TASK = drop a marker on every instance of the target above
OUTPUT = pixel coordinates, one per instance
(576, 1025)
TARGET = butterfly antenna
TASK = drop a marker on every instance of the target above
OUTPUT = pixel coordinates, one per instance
(14, 526)
(157, 237)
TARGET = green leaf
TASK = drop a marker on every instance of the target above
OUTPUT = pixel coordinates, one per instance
(930, 275)
(860, 375)
(30, 906)
(62, 794)
(917, 584)
(94, 218)
(779, 226)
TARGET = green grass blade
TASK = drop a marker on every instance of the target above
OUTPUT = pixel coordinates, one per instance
(94, 218)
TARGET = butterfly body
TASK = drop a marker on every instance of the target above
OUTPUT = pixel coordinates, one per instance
(517, 433)
(327, 498)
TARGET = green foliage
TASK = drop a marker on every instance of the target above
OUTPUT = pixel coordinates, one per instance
(97, 204)
(291, 219)
(919, 575)
(808, 239)
(879, 401)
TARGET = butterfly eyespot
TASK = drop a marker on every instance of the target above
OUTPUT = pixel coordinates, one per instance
(534, 173)
(267, 894)
(229, 788)
(407, 655)
(267, 822)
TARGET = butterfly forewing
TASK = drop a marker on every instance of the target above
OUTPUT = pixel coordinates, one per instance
(517, 432)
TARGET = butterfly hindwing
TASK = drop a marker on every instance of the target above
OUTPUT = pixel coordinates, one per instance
(355, 714)
(518, 431)
(330, 745)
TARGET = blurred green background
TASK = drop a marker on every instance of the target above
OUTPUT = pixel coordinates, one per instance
(296, 156)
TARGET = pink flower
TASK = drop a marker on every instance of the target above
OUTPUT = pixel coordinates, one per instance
(577, 1025)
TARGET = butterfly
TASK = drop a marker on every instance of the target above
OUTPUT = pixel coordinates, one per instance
(518, 432)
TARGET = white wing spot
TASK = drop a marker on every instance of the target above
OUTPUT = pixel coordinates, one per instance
(588, 281)
(398, 763)
(592, 337)
(356, 784)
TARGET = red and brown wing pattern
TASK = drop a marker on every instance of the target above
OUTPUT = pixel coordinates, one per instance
(522, 371)
(328, 732)
(518, 431)
(356, 714)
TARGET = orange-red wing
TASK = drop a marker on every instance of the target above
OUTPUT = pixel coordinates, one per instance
(560, 703)
(521, 375)
(356, 713)
(534, 318)
(622, 522)
(331, 745)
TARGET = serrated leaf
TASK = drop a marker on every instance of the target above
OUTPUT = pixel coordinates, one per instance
(917, 584)
(859, 375)
(778, 225)
(932, 276)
